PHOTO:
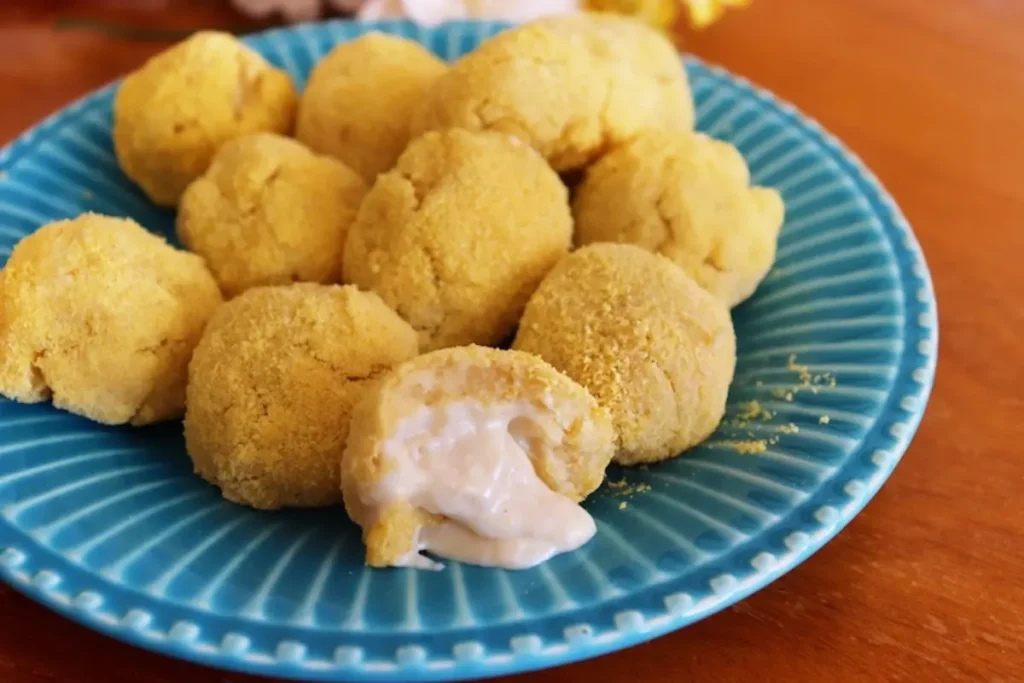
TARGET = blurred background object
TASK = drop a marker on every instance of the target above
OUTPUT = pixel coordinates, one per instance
(660, 13)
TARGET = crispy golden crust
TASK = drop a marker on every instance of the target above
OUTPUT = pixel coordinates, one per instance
(574, 467)
(458, 235)
(687, 197)
(570, 86)
(360, 97)
(172, 115)
(102, 316)
(270, 212)
(272, 385)
(652, 346)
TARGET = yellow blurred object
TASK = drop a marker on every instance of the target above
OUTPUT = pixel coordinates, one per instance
(703, 13)
(661, 14)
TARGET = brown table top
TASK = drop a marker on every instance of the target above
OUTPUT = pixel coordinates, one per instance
(926, 584)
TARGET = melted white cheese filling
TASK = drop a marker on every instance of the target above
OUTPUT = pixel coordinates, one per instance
(469, 463)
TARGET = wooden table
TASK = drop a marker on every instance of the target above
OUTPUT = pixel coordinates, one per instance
(925, 585)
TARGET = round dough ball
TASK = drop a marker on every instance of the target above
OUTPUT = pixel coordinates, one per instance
(470, 417)
(272, 385)
(269, 212)
(102, 316)
(687, 197)
(359, 100)
(459, 234)
(652, 347)
(570, 86)
(172, 115)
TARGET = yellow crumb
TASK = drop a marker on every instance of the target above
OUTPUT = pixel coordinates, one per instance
(624, 488)
(789, 429)
(748, 447)
(824, 419)
(803, 372)
(749, 410)
(623, 505)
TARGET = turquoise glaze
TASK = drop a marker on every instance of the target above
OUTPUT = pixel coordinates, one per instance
(108, 526)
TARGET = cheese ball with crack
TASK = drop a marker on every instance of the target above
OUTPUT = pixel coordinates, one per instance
(688, 197)
(269, 212)
(458, 235)
(653, 348)
(570, 86)
(474, 454)
(172, 115)
(360, 97)
(272, 385)
(102, 316)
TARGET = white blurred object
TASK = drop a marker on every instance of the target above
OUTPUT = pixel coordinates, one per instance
(432, 12)
(426, 12)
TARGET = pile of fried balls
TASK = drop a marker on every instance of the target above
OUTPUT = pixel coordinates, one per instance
(401, 234)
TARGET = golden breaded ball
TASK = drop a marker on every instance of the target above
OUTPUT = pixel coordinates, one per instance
(652, 346)
(458, 235)
(269, 212)
(102, 316)
(570, 86)
(272, 385)
(445, 408)
(360, 97)
(687, 197)
(172, 115)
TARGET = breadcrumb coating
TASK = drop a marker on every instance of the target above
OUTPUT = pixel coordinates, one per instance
(459, 234)
(360, 98)
(270, 212)
(272, 385)
(570, 86)
(571, 463)
(688, 197)
(102, 316)
(651, 346)
(172, 115)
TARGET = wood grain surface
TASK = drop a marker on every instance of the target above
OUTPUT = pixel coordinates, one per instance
(926, 585)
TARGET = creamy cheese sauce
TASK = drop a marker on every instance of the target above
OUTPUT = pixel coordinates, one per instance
(470, 463)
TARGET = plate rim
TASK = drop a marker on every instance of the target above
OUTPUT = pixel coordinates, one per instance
(577, 645)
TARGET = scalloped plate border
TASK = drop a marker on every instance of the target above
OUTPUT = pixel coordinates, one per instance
(469, 659)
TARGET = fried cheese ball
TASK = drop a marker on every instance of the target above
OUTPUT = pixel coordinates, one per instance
(102, 316)
(269, 212)
(653, 348)
(360, 97)
(570, 86)
(272, 385)
(172, 115)
(458, 235)
(687, 197)
(477, 455)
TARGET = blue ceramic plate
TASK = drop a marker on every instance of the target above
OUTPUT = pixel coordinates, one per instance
(109, 526)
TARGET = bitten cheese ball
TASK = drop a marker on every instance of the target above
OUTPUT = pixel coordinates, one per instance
(360, 98)
(102, 316)
(653, 348)
(172, 115)
(268, 212)
(687, 197)
(459, 234)
(272, 385)
(474, 454)
(570, 86)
